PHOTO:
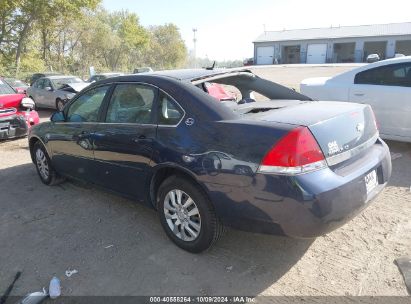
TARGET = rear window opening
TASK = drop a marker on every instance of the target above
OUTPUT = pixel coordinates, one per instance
(247, 93)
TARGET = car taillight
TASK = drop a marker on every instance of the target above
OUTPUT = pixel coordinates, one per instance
(295, 153)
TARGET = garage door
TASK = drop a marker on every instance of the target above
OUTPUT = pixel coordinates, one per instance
(316, 53)
(265, 54)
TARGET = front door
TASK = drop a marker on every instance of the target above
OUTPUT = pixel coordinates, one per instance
(72, 140)
(124, 142)
(388, 90)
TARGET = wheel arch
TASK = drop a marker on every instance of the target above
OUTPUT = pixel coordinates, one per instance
(32, 141)
(162, 172)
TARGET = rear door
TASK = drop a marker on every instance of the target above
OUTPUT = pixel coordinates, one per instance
(123, 144)
(71, 141)
(36, 90)
(48, 95)
(388, 90)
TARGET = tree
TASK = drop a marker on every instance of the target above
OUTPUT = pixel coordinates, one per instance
(19, 17)
(166, 48)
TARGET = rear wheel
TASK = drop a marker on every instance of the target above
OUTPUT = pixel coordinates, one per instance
(44, 167)
(59, 104)
(187, 215)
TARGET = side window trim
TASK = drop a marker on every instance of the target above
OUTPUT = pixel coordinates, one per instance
(103, 103)
(153, 110)
(175, 102)
(392, 66)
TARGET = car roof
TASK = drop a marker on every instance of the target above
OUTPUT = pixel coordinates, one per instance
(61, 77)
(195, 74)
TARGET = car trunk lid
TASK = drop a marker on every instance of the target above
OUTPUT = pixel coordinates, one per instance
(341, 129)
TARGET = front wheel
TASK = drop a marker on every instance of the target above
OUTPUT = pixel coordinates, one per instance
(44, 167)
(187, 215)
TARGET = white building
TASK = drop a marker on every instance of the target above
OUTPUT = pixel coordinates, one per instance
(333, 44)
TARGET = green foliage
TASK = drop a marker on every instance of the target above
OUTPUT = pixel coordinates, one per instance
(70, 36)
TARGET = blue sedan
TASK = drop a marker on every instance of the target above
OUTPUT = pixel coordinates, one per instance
(254, 156)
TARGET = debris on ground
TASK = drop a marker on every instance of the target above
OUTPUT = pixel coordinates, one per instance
(109, 246)
(34, 297)
(54, 288)
(69, 272)
(395, 155)
(404, 265)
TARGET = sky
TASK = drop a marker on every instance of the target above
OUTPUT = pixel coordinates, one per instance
(227, 28)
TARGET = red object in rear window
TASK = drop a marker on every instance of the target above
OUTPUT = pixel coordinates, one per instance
(297, 152)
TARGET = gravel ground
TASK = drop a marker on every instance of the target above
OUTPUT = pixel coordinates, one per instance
(119, 248)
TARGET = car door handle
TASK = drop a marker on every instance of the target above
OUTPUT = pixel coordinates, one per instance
(359, 94)
(140, 139)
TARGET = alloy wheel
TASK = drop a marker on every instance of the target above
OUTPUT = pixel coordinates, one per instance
(182, 215)
(42, 164)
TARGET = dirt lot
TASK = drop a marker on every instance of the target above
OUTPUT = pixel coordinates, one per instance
(119, 248)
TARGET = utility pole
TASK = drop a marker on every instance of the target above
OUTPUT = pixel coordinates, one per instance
(195, 47)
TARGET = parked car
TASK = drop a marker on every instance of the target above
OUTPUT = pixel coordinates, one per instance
(54, 91)
(373, 58)
(36, 76)
(385, 85)
(19, 86)
(16, 114)
(98, 77)
(248, 61)
(143, 70)
(285, 165)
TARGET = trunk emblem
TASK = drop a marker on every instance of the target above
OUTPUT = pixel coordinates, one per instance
(360, 128)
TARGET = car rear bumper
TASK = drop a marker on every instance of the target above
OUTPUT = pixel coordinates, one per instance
(306, 205)
(12, 127)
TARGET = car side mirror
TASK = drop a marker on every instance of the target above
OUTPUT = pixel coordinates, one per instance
(48, 88)
(57, 117)
(27, 103)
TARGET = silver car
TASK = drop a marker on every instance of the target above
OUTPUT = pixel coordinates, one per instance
(52, 92)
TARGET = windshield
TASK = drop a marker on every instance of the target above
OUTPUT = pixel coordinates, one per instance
(15, 82)
(58, 83)
(5, 88)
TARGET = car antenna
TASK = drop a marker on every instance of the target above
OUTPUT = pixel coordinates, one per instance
(211, 67)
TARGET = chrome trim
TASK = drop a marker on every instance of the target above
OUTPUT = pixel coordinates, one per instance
(134, 124)
(290, 171)
(336, 159)
(184, 112)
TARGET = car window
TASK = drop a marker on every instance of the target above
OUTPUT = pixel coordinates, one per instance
(86, 107)
(131, 103)
(389, 75)
(5, 88)
(59, 82)
(46, 83)
(39, 84)
(169, 113)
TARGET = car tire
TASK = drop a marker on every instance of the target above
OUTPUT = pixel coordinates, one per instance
(59, 104)
(191, 225)
(44, 167)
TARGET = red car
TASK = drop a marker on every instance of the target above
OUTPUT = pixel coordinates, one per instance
(16, 113)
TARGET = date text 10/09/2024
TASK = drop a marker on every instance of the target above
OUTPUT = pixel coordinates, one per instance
(202, 299)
